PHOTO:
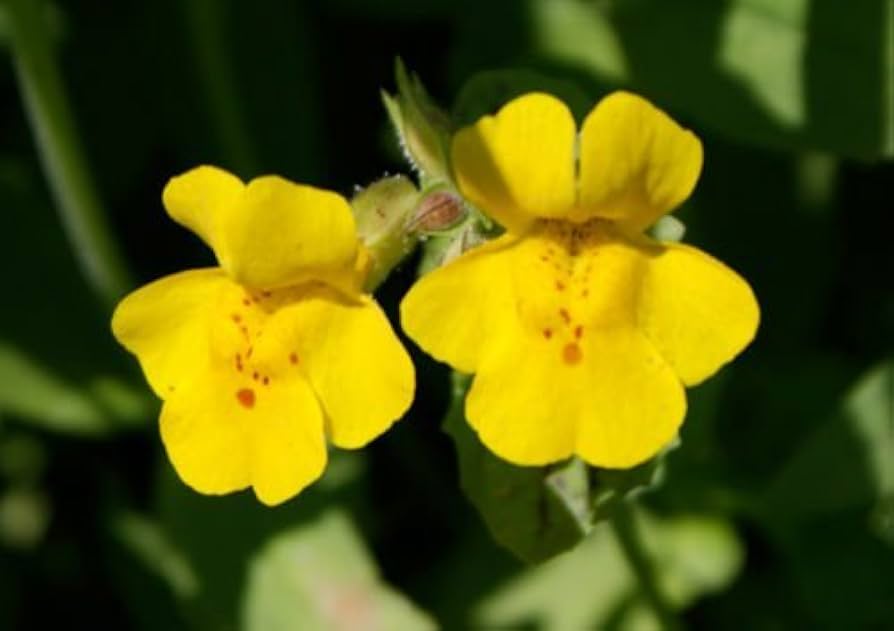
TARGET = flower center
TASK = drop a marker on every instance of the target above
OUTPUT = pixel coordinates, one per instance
(562, 267)
(239, 339)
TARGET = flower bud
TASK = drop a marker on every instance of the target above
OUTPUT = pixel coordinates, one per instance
(438, 211)
(382, 212)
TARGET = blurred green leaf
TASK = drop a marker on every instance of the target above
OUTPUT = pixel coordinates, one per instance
(59, 365)
(573, 32)
(786, 73)
(592, 586)
(24, 517)
(319, 577)
(217, 534)
(33, 392)
(145, 538)
(847, 462)
(536, 512)
(829, 509)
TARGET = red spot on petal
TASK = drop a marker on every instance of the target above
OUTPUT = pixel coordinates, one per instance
(565, 315)
(547, 333)
(265, 294)
(249, 352)
(560, 286)
(578, 331)
(266, 381)
(255, 375)
(293, 358)
(571, 354)
(246, 397)
(236, 318)
(246, 302)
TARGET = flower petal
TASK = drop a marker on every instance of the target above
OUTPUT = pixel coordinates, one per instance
(223, 434)
(614, 401)
(270, 233)
(454, 310)
(358, 368)
(636, 163)
(698, 312)
(165, 324)
(519, 164)
(283, 233)
(198, 199)
(635, 403)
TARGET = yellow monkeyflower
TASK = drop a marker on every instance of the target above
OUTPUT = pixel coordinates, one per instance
(259, 360)
(580, 329)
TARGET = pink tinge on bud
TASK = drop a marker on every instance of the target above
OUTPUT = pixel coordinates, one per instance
(436, 212)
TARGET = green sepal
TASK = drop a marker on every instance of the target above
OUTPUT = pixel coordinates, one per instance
(423, 129)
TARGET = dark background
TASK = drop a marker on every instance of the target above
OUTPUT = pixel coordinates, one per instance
(790, 449)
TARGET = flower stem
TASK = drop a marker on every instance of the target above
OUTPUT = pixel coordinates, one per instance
(624, 525)
(59, 150)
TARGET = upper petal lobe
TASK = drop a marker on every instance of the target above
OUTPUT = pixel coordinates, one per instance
(636, 163)
(519, 164)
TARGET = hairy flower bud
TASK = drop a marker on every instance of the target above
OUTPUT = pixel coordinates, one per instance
(382, 211)
(438, 211)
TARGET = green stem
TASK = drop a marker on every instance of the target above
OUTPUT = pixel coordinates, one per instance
(624, 524)
(60, 152)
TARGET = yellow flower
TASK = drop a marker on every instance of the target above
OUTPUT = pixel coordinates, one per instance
(581, 330)
(260, 359)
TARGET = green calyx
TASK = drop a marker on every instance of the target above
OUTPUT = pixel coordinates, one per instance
(423, 129)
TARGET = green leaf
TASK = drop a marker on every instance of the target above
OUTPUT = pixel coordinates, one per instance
(591, 587)
(848, 461)
(610, 486)
(97, 405)
(59, 365)
(319, 577)
(216, 535)
(784, 73)
(148, 542)
(536, 512)
(829, 510)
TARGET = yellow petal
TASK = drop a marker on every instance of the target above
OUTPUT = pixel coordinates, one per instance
(271, 233)
(564, 369)
(198, 199)
(358, 368)
(607, 397)
(635, 402)
(283, 233)
(698, 312)
(165, 324)
(635, 162)
(454, 310)
(519, 164)
(224, 432)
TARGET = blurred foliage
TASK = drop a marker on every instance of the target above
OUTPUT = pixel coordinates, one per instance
(775, 511)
